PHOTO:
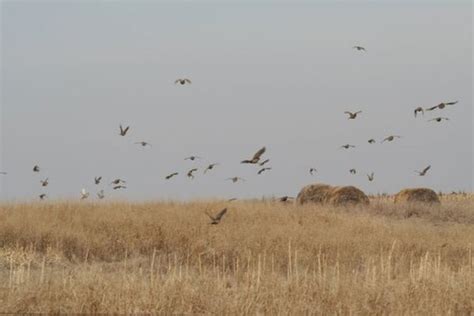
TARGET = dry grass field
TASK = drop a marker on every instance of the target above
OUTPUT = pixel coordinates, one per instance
(263, 258)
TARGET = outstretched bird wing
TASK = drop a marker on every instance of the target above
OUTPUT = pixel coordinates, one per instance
(220, 214)
(426, 169)
(259, 153)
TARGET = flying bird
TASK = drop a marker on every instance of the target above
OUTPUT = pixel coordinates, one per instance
(390, 138)
(192, 158)
(42, 196)
(123, 131)
(118, 187)
(371, 141)
(371, 176)
(210, 167)
(182, 81)
(352, 115)
(419, 109)
(263, 170)
(439, 119)
(3, 172)
(424, 171)
(235, 179)
(264, 162)
(441, 106)
(256, 156)
(97, 180)
(143, 144)
(171, 175)
(285, 198)
(231, 199)
(347, 146)
(353, 171)
(118, 182)
(101, 194)
(190, 173)
(36, 168)
(44, 182)
(359, 48)
(312, 171)
(216, 218)
(84, 194)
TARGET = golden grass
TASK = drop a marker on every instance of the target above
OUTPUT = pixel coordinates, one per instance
(264, 257)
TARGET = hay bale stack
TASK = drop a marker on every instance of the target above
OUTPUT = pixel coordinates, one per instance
(314, 193)
(347, 195)
(417, 195)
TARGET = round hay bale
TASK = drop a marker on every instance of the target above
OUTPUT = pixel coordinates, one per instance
(313, 193)
(417, 195)
(347, 195)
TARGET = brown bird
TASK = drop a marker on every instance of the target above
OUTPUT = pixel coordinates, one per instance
(36, 168)
(352, 115)
(439, 119)
(359, 48)
(256, 156)
(312, 171)
(263, 170)
(217, 218)
(371, 176)
(371, 141)
(118, 182)
(44, 182)
(42, 196)
(123, 131)
(118, 187)
(424, 171)
(97, 180)
(347, 146)
(210, 167)
(390, 138)
(419, 109)
(192, 158)
(285, 198)
(264, 162)
(441, 106)
(353, 171)
(235, 179)
(144, 144)
(190, 173)
(182, 81)
(171, 175)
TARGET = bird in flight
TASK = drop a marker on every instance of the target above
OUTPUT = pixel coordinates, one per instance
(36, 168)
(3, 172)
(182, 81)
(44, 182)
(210, 167)
(352, 115)
(215, 219)
(263, 170)
(285, 198)
(235, 179)
(101, 194)
(231, 199)
(97, 180)
(353, 171)
(123, 131)
(347, 146)
(118, 182)
(371, 141)
(171, 175)
(439, 119)
(390, 138)
(441, 106)
(256, 157)
(264, 162)
(84, 194)
(312, 171)
(419, 109)
(424, 171)
(371, 176)
(42, 196)
(118, 187)
(359, 48)
(144, 144)
(190, 173)
(192, 158)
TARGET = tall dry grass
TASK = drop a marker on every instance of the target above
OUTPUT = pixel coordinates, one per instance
(264, 257)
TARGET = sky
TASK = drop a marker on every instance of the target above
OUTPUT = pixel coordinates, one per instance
(278, 74)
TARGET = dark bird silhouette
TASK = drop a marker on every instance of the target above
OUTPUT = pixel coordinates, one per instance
(216, 219)
(439, 119)
(182, 81)
(210, 167)
(118, 182)
(190, 173)
(312, 171)
(36, 168)
(171, 175)
(371, 141)
(359, 48)
(44, 182)
(347, 146)
(418, 110)
(263, 170)
(143, 144)
(264, 162)
(441, 106)
(235, 179)
(101, 194)
(42, 196)
(390, 138)
(352, 115)
(424, 171)
(256, 157)
(118, 187)
(123, 131)
(371, 176)
(192, 158)
(285, 198)
(97, 180)
(353, 171)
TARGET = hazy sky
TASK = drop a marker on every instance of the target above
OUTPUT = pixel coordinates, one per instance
(270, 73)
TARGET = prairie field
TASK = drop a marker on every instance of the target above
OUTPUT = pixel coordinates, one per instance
(264, 257)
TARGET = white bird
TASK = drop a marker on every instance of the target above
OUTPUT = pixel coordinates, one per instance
(84, 194)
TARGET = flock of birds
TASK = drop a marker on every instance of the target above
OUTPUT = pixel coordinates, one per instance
(256, 159)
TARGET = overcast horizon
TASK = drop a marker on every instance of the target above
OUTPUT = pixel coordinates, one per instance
(270, 74)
